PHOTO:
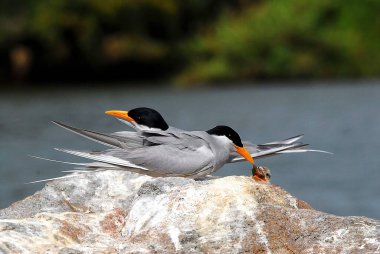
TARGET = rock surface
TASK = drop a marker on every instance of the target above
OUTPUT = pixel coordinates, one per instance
(121, 212)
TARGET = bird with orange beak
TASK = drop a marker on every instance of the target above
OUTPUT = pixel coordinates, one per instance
(144, 118)
(192, 154)
(157, 149)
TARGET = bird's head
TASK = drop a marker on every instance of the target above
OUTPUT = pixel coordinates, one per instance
(143, 116)
(233, 136)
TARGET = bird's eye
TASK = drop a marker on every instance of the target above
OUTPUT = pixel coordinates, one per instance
(267, 175)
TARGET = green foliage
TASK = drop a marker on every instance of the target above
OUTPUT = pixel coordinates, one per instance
(115, 28)
(67, 35)
(288, 39)
(196, 41)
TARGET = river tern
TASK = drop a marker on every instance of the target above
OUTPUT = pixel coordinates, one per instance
(150, 148)
(143, 118)
(192, 154)
(149, 120)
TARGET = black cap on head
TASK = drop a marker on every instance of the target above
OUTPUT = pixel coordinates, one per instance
(148, 117)
(222, 130)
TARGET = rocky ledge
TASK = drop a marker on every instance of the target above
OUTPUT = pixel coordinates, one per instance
(121, 212)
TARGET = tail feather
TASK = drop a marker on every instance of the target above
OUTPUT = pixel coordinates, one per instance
(95, 136)
(102, 157)
(88, 165)
(306, 150)
(256, 153)
(76, 171)
(64, 162)
(84, 168)
(54, 178)
(289, 145)
(127, 139)
(287, 141)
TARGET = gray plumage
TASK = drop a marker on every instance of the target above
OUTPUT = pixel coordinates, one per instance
(173, 152)
(192, 154)
(131, 139)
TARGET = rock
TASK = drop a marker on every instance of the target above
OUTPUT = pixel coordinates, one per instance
(121, 212)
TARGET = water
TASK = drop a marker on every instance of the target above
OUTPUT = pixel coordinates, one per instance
(343, 119)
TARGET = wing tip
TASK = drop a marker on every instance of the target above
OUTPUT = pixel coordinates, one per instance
(57, 123)
(51, 179)
(322, 151)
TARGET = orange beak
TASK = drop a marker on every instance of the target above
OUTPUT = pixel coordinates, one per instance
(120, 114)
(244, 152)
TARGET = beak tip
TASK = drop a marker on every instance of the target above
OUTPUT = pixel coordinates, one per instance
(244, 152)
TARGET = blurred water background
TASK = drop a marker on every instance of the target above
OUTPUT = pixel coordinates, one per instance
(342, 118)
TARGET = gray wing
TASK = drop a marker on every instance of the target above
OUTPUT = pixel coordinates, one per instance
(169, 159)
(162, 160)
(129, 139)
(285, 141)
(95, 136)
(170, 155)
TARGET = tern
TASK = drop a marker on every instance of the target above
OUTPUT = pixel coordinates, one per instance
(149, 120)
(157, 149)
(192, 154)
(144, 118)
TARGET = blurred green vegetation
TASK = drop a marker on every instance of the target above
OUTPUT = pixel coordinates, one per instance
(187, 41)
(289, 39)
